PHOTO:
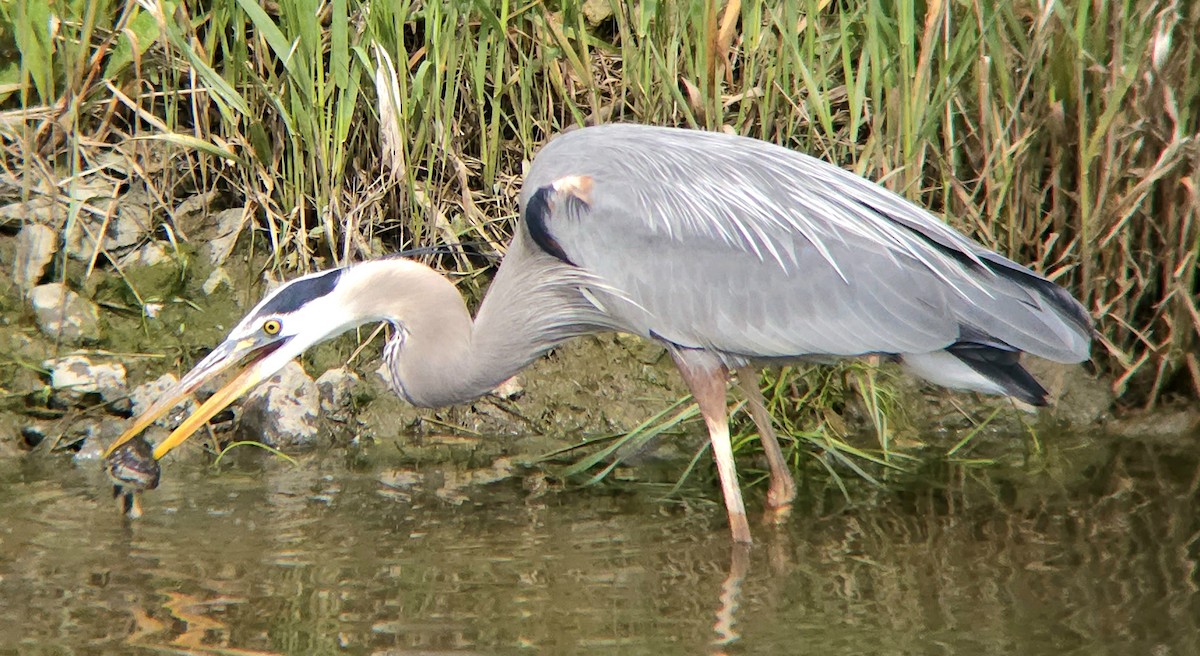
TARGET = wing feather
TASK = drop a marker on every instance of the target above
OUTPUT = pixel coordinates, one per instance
(734, 244)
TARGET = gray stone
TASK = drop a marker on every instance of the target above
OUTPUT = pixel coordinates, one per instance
(218, 278)
(128, 224)
(132, 224)
(36, 245)
(148, 255)
(190, 215)
(226, 226)
(61, 313)
(597, 11)
(1076, 397)
(97, 436)
(144, 395)
(74, 437)
(36, 210)
(282, 411)
(509, 390)
(74, 376)
(90, 451)
(336, 389)
(384, 373)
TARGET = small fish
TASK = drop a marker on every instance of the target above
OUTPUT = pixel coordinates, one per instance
(133, 469)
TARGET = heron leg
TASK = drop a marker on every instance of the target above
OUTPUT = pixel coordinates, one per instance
(706, 376)
(782, 489)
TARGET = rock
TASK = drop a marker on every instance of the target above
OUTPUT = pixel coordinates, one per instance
(509, 390)
(38, 210)
(126, 226)
(597, 11)
(96, 437)
(148, 255)
(1076, 396)
(61, 313)
(384, 373)
(339, 416)
(191, 213)
(73, 436)
(36, 245)
(226, 226)
(282, 411)
(336, 390)
(147, 393)
(90, 450)
(74, 377)
(133, 222)
(215, 280)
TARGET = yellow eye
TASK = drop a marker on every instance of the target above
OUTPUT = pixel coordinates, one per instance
(272, 327)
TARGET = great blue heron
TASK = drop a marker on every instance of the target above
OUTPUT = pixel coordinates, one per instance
(729, 251)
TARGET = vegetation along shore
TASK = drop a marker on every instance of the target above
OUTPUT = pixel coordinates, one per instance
(165, 163)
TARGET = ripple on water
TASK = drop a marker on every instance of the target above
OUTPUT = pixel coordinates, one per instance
(317, 560)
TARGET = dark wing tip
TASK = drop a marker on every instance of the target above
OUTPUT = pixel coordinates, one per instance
(1002, 367)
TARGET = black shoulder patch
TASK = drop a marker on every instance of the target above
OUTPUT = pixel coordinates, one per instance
(295, 294)
(537, 215)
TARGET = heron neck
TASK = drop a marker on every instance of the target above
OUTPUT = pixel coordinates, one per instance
(442, 357)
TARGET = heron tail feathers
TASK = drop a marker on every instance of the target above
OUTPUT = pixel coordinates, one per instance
(977, 367)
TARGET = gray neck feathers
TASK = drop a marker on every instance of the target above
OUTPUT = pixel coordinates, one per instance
(441, 357)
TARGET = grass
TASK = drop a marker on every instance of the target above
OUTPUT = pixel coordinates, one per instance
(1062, 134)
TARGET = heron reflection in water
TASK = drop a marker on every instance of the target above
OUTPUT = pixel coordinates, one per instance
(731, 252)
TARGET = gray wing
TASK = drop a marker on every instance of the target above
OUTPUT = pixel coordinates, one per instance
(728, 243)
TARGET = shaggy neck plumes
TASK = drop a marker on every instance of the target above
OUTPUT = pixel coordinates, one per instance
(441, 356)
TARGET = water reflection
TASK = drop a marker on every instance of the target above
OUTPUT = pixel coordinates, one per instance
(728, 600)
(1093, 553)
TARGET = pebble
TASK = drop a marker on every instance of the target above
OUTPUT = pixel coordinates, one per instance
(283, 410)
(217, 279)
(227, 226)
(144, 395)
(336, 390)
(61, 313)
(75, 376)
(126, 226)
(36, 246)
(149, 255)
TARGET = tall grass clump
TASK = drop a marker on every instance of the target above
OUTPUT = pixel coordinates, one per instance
(1063, 134)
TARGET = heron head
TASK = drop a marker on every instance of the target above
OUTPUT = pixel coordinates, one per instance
(287, 322)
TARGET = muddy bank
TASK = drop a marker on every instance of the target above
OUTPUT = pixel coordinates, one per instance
(156, 320)
(72, 377)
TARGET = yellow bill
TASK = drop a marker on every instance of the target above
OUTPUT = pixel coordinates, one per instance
(227, 354)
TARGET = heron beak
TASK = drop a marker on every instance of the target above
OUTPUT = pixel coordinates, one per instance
(225, 355)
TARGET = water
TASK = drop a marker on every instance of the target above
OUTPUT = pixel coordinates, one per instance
(324, 559)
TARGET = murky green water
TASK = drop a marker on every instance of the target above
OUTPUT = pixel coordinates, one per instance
(325, 559)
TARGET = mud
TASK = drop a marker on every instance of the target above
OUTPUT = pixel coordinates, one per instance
(158, 319)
